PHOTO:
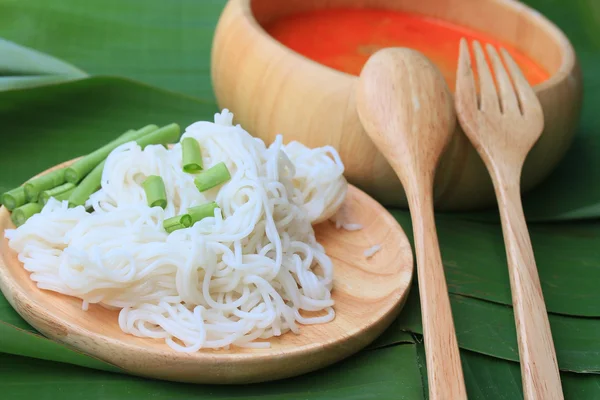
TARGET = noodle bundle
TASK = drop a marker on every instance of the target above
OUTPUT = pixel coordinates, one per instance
(251, 271)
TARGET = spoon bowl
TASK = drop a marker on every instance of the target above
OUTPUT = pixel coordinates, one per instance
(368, 293)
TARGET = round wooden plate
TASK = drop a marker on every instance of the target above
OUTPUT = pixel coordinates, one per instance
(368, 294)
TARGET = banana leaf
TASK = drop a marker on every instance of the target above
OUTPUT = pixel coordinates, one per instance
(390, 373)
(567, 257)
(20, 342)
(487, 378)
(393, 373)
(21, 67)
(10, 317)
(167, 44)
(163, 43)
(489, 329)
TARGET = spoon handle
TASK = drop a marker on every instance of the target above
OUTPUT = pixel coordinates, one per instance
(539, 368)
(444, 370)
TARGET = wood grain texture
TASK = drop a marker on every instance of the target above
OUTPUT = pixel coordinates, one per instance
(406, 108)
(368, 293)
(273, 90)
(504, 120)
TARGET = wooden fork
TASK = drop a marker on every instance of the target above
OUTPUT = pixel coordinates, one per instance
(503, 126)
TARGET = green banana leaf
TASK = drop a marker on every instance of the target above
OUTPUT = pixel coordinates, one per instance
(21, 67)
(382, 374)
(487, 378)
(392, 373)
(489, 328)
(10, 317)
(21, 342)
(567, 256)
(46, 102)
(162, 43)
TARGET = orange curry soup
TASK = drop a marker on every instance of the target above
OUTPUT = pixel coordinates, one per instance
(344, 39)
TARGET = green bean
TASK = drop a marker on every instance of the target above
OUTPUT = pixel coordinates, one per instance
(80, 168)
(35, 186)
(167, 134)
(60, 193)
(88, 186)
(21, 214)
(14, 198)
(92, 182)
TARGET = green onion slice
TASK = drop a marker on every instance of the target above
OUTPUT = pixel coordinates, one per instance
(191, 155)
(156, 193)
(200, 212)
(177, 222)
(212, 177)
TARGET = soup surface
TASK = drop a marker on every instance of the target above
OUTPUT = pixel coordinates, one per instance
(344, 39)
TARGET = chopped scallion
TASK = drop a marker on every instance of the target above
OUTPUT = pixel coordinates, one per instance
(191, 155)
(200, 212)
(214, 176)
(177, 222)
(156, 194)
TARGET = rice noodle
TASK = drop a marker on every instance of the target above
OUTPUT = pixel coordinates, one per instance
(370, 252)
(339, 218)
(253, 270)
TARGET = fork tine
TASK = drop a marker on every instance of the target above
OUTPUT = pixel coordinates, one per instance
(487, 89)
(529, 100)
(466, 95)
(508, 98)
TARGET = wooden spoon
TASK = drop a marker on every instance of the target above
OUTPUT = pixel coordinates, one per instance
(503, 126)
(407, 110)
(368, 293)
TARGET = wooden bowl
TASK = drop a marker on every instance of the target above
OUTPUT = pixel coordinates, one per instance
(368, 292)
(272, 89)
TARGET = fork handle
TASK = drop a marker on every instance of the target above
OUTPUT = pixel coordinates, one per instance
(539, 368)
(444, 369)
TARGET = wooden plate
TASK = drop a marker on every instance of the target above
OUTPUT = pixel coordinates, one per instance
(368, 294)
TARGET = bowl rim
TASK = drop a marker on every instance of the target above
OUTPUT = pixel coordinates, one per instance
(568, 55)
